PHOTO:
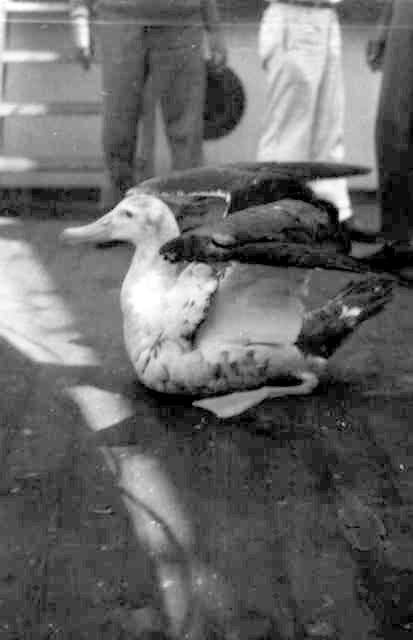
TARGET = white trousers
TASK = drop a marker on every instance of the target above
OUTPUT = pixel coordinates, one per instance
(300, 51)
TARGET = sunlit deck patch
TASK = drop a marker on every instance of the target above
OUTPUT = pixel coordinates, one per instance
(35, 318)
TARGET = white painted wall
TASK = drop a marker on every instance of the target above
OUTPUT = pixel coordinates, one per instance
(81, 136)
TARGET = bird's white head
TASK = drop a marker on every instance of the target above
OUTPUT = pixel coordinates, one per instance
(141, 219)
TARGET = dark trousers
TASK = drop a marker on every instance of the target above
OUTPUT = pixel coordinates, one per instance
(173, 57)
(394, 127)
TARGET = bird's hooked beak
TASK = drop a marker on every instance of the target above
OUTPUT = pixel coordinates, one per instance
(99, 231)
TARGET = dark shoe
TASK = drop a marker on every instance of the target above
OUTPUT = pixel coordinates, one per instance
(360, 234)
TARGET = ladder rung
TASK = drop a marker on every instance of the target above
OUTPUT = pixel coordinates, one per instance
(35, 109)
(22, 56)
(13, 6)
(17, 56)
(14, 164)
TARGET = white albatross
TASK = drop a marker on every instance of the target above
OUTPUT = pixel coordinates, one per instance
(228, 335)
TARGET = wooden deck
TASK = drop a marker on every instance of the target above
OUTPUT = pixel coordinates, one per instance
(294, 521)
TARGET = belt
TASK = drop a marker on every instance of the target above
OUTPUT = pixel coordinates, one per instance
(311, 4)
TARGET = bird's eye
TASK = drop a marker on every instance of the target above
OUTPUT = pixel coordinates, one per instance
(128, 214)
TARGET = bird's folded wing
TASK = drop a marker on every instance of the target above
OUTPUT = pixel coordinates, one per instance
(289, 225)
(285, 220)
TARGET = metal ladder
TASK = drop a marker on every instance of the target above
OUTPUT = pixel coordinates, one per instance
(8, 164)
(17, 167)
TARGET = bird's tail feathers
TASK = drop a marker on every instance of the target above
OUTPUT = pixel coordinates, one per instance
(325, 329)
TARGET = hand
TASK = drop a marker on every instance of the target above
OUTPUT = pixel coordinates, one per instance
(84, 56)
(217, 50)
(375, 53)
(82, 38)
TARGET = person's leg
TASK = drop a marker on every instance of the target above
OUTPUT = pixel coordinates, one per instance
(327, 143)
(123, 73)
(179, 82)
(292, 55)
(394, 127)
(145, 152)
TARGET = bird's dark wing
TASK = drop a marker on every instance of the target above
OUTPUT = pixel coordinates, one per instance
(241, 175)
(264, 234)
(305, 171)
(234, 187)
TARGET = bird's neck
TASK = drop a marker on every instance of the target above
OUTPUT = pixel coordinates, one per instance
(147, 250)
(148, 269)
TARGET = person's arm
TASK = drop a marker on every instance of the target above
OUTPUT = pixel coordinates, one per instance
(213, 27)
(82, 39)
(376, 46)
